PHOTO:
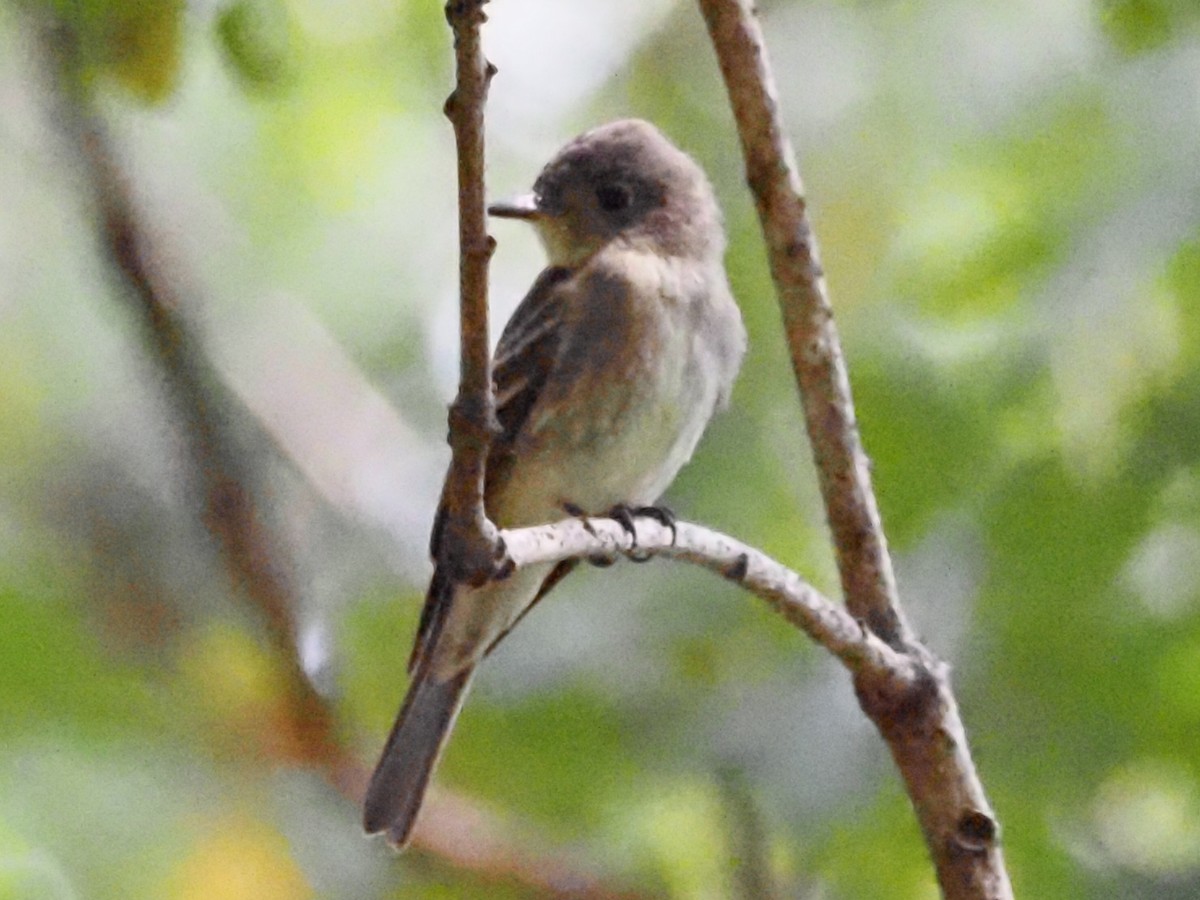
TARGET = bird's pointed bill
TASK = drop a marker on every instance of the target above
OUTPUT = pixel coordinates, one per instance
(523, 206)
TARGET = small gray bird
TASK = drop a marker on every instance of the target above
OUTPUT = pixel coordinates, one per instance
(606, 376)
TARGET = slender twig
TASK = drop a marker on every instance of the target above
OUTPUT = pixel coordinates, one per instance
(905, 692)
(458, 832)
(748, 841)
(469, 547)
(918, 718)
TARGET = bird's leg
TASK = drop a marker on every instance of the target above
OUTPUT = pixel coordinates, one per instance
(599, 560)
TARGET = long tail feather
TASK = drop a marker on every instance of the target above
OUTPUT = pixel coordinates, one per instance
(412, 751)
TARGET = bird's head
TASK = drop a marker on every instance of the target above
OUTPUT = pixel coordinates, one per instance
(626, 182)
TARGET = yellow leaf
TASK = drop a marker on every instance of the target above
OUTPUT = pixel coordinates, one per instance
(238, 858)
(143, 43)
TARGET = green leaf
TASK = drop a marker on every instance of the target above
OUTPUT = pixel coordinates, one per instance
(255, 36)
(1139, 26)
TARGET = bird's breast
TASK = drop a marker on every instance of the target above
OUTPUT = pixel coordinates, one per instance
(626, 404)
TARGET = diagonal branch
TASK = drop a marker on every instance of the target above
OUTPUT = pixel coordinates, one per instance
(868, 583)
(918, 718)
(461, 834)
(254, 561)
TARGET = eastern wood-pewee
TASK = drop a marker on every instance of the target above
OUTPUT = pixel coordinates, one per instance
(606, 375)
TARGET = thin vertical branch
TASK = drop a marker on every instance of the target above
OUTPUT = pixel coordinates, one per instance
(471, 542)
(748, 841)
(917, 718)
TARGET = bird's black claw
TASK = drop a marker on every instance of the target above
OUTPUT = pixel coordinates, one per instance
(623, 515)
(660, 514)
(737, 571)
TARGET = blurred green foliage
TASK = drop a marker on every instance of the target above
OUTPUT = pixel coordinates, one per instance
(255, 38)
(136, 43)
(1139, 26)
(1008, 202)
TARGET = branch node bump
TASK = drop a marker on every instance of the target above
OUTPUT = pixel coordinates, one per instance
(472, 422)
(900, 707)
(507, 566)
(465, 12)
(976, 832)
(737, 571)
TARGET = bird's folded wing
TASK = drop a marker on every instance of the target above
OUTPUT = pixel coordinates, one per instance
(528, 348)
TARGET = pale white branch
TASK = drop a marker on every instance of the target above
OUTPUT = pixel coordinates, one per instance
(795, 599)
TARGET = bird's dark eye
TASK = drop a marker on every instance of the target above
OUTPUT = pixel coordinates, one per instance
(613, 197)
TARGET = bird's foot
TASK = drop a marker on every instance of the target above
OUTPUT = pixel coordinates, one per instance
(660, 514)
(623, 514)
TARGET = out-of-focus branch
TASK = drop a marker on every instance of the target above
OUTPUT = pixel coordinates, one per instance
(468, 539)
(253, 559)
(453, 829)
(458, 832)
(748, 841)
(917, 717)
(353, 447)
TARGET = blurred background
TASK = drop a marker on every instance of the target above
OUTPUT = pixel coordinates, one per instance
(228, 338)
